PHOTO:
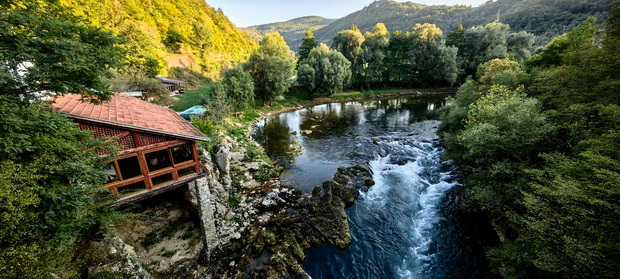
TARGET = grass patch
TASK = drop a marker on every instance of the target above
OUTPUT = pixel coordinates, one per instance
(190, 98)
(236, 131)
(249, 117)
(265, 173)
(234, 199)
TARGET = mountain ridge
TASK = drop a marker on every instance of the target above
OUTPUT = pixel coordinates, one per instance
(292, 30)
(541, 17)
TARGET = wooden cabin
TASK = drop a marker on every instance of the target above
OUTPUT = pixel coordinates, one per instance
(173, 85)
(158, 147)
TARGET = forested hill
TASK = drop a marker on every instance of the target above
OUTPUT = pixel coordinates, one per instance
(161, 34)
(540, 17)
(395, 16)
(544, 18)
(293, 30)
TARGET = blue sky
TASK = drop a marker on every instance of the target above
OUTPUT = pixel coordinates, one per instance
(244, 13)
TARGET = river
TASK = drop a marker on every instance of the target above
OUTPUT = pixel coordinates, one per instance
(404, 226)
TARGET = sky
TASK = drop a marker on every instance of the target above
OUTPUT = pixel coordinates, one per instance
(244, 13)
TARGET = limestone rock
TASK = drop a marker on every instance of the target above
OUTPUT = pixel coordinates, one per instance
(222, 160)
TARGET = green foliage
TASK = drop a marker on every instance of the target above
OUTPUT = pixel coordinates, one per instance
(374, 53)
(396, 16)
(398, 59)
(349, 43)
(307, 44)
(173, 40)
(433, 61)
(505, 72)
(454, 115)
(239, 88)
(159, 33)
(489, 131)
(325, 71)
(217, 104)
(573, 207)
(36, 260)
(150, 239)
(60, 54)
(456, 37)
(49, 168)
(208, 128)
(549, 177)
(520, 45)
(555, 52)
(543, 18)
(234, 199)
(266, 173)
(481, 44)
(271, 66)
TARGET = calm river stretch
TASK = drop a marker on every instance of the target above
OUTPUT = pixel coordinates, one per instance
(403, 226)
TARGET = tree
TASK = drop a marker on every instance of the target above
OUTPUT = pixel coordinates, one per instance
(489, 131)
(456, 37)
(271, 66)
(504, 72)
(572, 218)
(519, 46)
(374, 53)
(49, 167)
(239, 88)
(553, 54)
(325, 71)
(455, 113)
(547, 179)
(44, 51)
(307, 44)
(483, 43)
(432, 61)
(398, 59)
(217, 103)
(349, 43)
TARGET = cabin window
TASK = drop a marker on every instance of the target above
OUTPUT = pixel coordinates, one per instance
(158, 160)
(182, 154)
(159, 180)
(123, 169)
(129, 167)
(131, 188)
(186, 171)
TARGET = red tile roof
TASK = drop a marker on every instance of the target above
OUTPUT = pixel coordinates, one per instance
(131, 113)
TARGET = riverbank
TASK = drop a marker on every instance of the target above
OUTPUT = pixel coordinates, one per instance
(293, 102)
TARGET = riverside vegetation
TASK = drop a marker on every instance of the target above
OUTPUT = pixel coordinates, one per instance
(535, 137)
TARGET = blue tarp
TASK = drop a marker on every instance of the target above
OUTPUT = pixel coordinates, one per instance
(193, 111)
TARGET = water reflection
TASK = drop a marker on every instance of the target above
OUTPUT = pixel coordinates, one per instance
(312, 143)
